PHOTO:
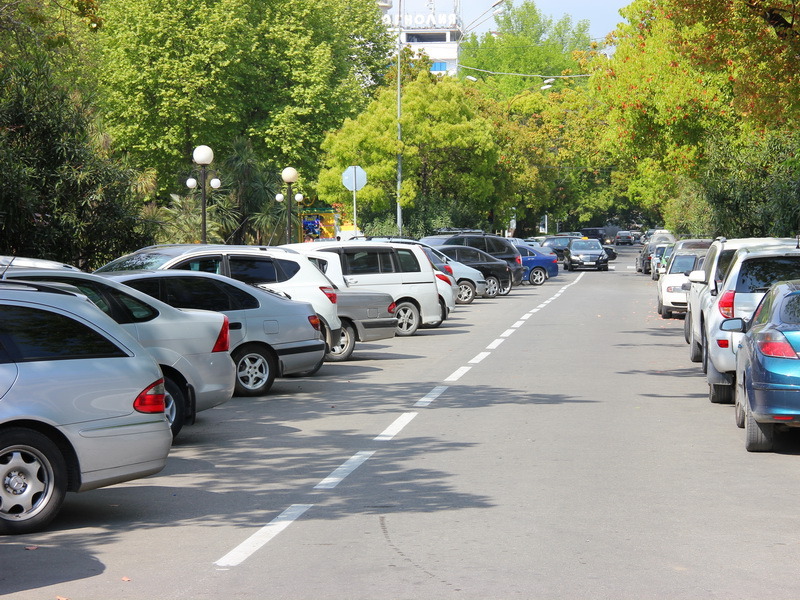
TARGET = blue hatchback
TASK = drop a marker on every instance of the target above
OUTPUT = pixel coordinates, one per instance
(539, 266)
(767, 391)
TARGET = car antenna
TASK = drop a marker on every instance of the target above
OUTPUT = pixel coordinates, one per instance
(3, 274)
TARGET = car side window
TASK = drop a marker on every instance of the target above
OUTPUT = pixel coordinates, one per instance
(764, 309)
(193, 292)
(790, 311)
(31, 334)
(320, 263)
(408, 261)
(469, 254)
(286, 269)
(476, 242)
(495, 246)
(135, 310)
(253, 270)
(710, 259)
(361, 262)
(205, 264)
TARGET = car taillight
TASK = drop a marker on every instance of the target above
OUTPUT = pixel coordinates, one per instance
(330, 293)
(391, 308)
(725, 304)
(775, 344)
(443, 277)
(151, 400)
(448, 269)
(314, 320)
(518, 260)
(223, 342)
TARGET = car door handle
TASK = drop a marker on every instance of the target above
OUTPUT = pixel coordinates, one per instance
(350, 280)
(235, 325)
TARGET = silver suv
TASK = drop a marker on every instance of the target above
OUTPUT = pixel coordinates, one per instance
(751, 273)
(270, 268)
(83, 404)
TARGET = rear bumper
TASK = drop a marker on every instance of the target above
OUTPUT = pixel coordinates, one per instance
(369, 330)
(773, 403)
(300, 357)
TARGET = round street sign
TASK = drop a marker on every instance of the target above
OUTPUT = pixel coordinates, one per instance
(354, 178)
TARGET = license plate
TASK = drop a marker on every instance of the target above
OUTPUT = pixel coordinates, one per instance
(589, 263)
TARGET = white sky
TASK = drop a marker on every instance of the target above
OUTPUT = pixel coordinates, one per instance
(603, 15)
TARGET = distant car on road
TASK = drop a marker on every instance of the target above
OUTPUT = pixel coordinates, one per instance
(585, 254)
(624, 237)
(495, 270)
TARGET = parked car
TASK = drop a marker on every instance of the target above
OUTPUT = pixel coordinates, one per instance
(585, 254)
(495, 270)
(623, 237)
(557, 243)
(753, 270)
(82, 404)
(705, 285)
(767, 392)
(401, 270)
(494, 245)
(22, 262)
(270, 268)
(671, 291)
(190, 346)
(539, 265)
(270, 335)
(655, 259)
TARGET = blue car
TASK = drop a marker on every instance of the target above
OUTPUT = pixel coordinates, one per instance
(767, 390)
(539, 264)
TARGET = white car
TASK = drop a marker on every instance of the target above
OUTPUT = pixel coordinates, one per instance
(270, 268)
(753, 270)
(82, 404)
(401, 270)
(191, 346)
(270, 334)
(672, 295)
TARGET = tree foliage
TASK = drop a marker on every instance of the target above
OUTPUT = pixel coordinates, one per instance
(209, 71)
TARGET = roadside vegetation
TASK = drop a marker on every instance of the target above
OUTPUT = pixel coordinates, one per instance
(684, 117)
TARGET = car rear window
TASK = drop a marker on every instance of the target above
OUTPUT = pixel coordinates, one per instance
(683, 263)
(758, 274)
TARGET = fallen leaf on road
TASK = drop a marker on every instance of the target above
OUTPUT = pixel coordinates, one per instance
(126, 579)
(31, 547)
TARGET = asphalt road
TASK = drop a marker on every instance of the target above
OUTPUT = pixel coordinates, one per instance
(555, 443)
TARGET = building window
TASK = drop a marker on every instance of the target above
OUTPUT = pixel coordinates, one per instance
(439, 66)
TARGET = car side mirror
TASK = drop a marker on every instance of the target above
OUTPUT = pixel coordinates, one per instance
(736, 325)
(698, 276)
(686, 286)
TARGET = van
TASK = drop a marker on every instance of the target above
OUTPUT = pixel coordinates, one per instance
(401, 270)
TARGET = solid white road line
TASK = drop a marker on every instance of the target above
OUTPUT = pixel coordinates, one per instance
(243, 551)
(396, 427)
(338, 474)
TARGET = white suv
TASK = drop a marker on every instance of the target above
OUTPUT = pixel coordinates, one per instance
(401, 270)
(705, 282)
(277, 269)
(751, 273)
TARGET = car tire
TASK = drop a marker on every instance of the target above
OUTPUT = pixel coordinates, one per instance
(720, 393)
(407, 319)
(704, 350)
(740, 401)
(695, 349)
(492, 286)
(174, 406)
(505, 290)
(32, 465)
(758, 437)
(442, 316)
(466, 292)
(256, 368)
(537, 276)
(347, 343)
(665, 312)
(687, 327)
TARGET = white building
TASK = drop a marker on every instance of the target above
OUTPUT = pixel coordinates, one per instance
(434, 32)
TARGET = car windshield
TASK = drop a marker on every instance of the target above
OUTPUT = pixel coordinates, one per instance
(682, 263)
(145, 261)
(586, 245)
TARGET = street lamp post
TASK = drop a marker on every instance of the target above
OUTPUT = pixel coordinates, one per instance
(203, 156)
(289, 176)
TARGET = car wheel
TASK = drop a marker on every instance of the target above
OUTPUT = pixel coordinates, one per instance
(505, 290)
(739, 402)
(704, 350)
(256, 368)
(695, 349)
(492, 286)
(33, 480)
(654, 274)
(687, 327)
(466, 292)
(758, 437)
(174, 406)
(442, 316)
(407, 319)
(537, 276)
(665, 312)
(720, 393)
(347, 344)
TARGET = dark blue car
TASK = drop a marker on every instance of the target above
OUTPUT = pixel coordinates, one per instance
(767, 391)
(539, 265)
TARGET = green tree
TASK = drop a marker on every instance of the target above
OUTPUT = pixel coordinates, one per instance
(281, 74)
(63, 196)
(450, 159)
